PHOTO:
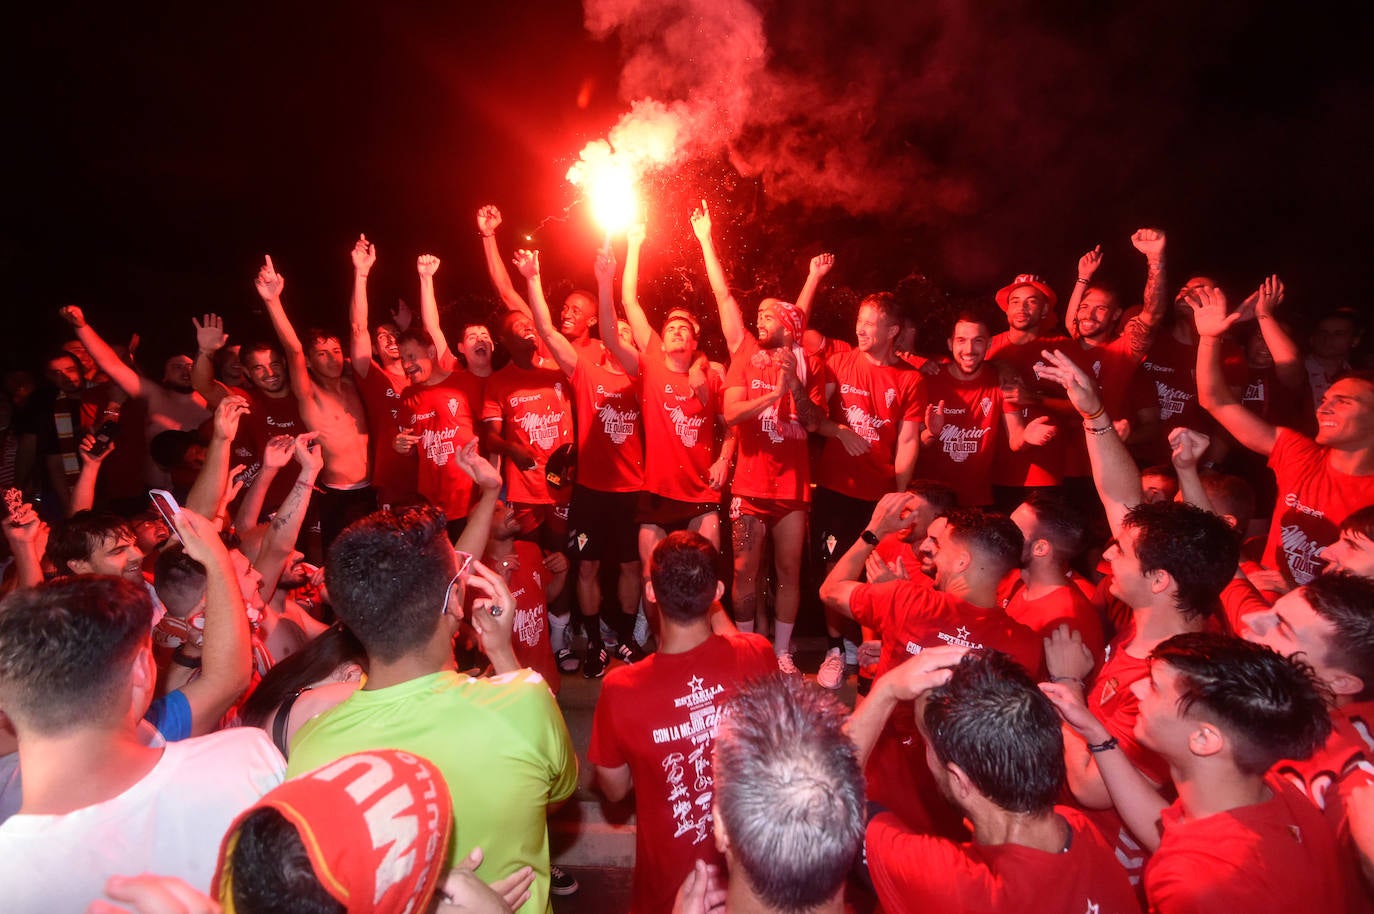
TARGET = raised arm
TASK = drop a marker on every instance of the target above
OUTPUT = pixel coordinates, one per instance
(210, 339)
(1137, 801)
(473, 539)
(364, 255)
(488, 220)
(1087, 266)
(427, 265)
(276, 454)
(270, 285)
(130, 381)
(563, 352)
(27, 537)
(83, 491)
(1150, 242)
(820, 266)
(1186, 448)
(280, 540)
(731, 319)
(1114, 472)
(627, 356)
(226, 660)
(208, 490)
(1213, 393)
(908, 682)
(1264, 301)
(629, 289)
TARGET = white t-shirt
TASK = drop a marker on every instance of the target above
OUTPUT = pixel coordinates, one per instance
(169, 823)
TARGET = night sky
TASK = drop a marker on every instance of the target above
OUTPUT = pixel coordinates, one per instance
(153, 156)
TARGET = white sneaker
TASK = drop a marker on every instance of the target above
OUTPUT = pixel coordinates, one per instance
(786, 665)
(831, 673)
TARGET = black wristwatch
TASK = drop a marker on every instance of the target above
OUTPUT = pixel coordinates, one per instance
(868, 536)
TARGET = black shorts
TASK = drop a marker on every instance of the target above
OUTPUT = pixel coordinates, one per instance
(836, 522)
(670, 514)
(603, 525)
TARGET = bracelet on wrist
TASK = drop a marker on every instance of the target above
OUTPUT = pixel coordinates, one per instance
(481, 234)
(1100, 411)
(1093, 430)
(1080, 281)
(1075, 679)
(1110, 744)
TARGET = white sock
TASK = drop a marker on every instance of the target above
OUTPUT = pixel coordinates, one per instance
(558, 632)
(745, 626)
(782, 636)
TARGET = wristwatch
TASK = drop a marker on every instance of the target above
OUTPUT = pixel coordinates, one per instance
(868, 536)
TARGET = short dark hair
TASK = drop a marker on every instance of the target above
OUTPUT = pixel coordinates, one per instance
(315, 335)
(992, 721)
(79, 536)
(1230, 494)
(270, 864)
(683, 571)
(1272, 706)
(260, 346)
(1347, 602)
(1197, 548)
(387, 575)
(1360, 522)
(971, 316)
(179, 580)
(65, 648)
(992, 536)
(789, 790)
(1057, 520)
(415, 335)
(937, 494)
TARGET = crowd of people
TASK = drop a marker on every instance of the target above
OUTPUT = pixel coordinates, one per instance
(1103, 580)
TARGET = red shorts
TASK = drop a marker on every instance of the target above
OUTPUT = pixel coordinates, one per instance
(768, 510)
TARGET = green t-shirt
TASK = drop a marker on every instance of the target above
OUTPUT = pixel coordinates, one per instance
(501, 743)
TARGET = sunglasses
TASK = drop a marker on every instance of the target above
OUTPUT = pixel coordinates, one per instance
(464, 564)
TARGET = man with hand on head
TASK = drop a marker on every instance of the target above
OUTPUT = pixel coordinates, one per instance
(996, 751)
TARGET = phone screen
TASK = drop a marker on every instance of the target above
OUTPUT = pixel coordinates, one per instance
(167, 506)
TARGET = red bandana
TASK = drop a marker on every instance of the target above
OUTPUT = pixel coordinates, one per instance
(374, 824)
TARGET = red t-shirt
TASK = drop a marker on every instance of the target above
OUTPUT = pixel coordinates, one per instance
(924, 873)
(1313, 500)
(1113, 366)
(679, 430)
(772, 459)
(963, 453)
(1064, 605)
(535, 408)
(1111, 700)
(1171, 367)
(892, 548)
(1032, 466)
(610, 435)
(267, 418)
(874, 401)
(393, 475)
(1277, 856)
(439, 414)
(659, 717)
(526, 576)
(912, 617)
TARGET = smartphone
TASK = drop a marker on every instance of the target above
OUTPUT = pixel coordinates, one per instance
(167, 506)
(104, 435)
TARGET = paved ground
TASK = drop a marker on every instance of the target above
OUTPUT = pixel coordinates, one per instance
(594, 840)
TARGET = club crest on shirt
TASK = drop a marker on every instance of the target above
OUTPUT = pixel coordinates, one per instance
(985, 406)
(890, 396)
(1108, 691)
(453, 406)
